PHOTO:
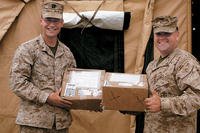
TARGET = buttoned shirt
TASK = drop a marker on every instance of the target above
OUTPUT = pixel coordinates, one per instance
(177, 81)
(35, 73)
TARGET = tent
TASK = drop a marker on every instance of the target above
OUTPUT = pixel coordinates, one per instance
(20, 22)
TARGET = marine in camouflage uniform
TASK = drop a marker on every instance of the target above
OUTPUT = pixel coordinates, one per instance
(174, 80)
(36, 77)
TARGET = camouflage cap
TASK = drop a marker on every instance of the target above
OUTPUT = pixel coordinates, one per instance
(164, 24)
(53, 9)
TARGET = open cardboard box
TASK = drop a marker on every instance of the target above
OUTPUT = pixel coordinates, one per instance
(83, 87)
(124, 92)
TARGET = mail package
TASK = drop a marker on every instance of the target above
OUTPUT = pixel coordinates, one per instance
(124, 92)
(83, 87)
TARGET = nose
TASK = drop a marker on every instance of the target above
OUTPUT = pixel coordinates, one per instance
(161, 36)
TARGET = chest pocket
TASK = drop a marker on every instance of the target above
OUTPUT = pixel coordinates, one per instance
(161, 86)
(43, 68)
(163, 81)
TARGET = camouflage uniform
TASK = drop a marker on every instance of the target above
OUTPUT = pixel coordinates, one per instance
(177, 81)
(28, 129)
(35, 73)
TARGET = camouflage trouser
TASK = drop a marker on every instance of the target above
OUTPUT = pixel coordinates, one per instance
(28, 129)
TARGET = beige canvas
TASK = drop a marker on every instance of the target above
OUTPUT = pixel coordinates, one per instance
(24, 25)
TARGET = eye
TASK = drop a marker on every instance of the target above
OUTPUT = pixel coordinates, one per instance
(53, 20)
(165, 34)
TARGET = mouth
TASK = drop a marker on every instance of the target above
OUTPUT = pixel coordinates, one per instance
(160, 43)
(163, 46)
(52, 29)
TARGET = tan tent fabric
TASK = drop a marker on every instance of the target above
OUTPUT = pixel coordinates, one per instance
(23, 28)
(181, 9)
(9, 10)
(100, 122)
(86, 5)
(107, 121)
(134, 49)
(145, 34)
(26, 26)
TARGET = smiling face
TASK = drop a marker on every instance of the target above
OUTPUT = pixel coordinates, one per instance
(166, 42)
(51, 27)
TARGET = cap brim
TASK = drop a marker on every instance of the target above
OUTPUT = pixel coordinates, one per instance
(52, 15)
(165, 29)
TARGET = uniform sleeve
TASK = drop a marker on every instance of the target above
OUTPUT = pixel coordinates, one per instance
(73, 61)
(73, 64)
(188, 81)
(20, 77)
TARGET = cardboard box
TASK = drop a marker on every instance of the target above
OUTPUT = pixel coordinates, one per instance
(124, 92)
(83, 87)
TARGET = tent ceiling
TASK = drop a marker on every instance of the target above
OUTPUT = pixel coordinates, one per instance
(10, 9)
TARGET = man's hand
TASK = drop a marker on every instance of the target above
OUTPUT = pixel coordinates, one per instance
(55, 100)
(153, 104)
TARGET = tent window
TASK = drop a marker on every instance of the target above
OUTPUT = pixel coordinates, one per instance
(96, 48)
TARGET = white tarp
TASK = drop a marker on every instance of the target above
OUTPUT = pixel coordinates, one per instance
(113, 20)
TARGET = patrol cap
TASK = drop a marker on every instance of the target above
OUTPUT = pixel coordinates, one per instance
(165, 24)
(53, 9)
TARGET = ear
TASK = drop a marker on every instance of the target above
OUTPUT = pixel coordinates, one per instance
(41, 20)
(177, 36)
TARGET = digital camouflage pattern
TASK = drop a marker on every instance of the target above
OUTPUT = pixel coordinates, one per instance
(177, 81)
(165, 24)
(35, 73)
(28, 129)
(53, 9)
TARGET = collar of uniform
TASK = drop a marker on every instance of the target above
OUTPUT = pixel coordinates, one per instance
(59, 51)
(161, 59)
(44, 46)
(166, 61)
